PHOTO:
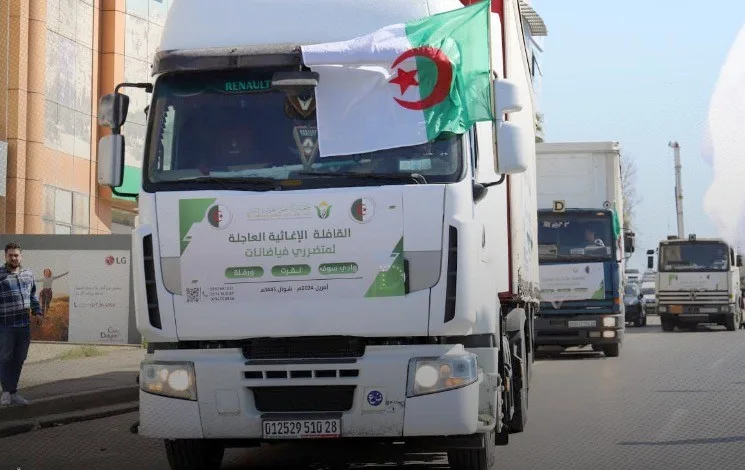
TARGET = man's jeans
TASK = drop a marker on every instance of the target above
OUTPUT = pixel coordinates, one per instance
(14, 343)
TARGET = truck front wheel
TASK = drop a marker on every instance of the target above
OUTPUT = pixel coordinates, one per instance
(475, 459)
(667, 324)
(731, 322)
(194, 454)
(612, 350)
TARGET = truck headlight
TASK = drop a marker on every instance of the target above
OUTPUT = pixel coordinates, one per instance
(437, 374)
(609, 322)
(170, 379)
(662, 309)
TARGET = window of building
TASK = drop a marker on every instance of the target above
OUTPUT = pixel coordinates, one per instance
(65, 212)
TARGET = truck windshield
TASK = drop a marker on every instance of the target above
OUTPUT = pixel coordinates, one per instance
(218, 128)
(575, 237)
(695, 256)
(631, 290)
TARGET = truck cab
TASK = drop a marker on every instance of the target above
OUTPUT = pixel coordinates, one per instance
(377, 298)
(581, 280)
(582, 246)
(698, 281)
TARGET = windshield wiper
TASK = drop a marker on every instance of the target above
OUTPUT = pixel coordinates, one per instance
(416, 177)
(251, 182)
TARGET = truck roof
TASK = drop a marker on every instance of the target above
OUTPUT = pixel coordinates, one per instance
(579, 147)
(685, 240)
(198, 24)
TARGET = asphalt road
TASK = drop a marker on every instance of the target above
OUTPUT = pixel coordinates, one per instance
(671, 400)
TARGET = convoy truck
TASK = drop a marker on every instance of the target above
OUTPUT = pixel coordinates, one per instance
(581, 245)
(383, 297)
(698, 281)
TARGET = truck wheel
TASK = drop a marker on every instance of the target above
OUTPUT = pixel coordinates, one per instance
(731, 322)
(612, 350)
(194, 454)
(520, 418)
(475, 459)
(638, 322)
(667, 325)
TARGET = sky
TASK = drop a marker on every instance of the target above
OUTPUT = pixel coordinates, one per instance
(641, 73)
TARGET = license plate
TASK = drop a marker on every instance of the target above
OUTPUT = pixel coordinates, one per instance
(301, 429)
(676, 309)
(708, 310)
(582, 324)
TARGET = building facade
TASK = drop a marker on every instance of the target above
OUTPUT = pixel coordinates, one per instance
(57, 57)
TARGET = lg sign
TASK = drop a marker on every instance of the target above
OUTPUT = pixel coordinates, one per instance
(110, 260)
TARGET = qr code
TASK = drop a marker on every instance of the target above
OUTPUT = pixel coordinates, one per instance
(193, 294)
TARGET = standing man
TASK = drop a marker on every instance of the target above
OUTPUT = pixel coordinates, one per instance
(17, 297)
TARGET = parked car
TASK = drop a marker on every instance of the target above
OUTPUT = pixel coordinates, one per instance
(649, 298)
(632, 304)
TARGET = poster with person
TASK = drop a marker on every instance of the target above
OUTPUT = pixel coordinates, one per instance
(84, 295)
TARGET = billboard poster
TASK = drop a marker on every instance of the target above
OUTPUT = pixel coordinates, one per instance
(84, 295)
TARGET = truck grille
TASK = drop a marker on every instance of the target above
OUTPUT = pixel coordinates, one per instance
(300, 399)
(693, 297)
(331, 347)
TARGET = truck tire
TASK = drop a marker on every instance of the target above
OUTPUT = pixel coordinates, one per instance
(612, 350)
(731, 322)
(667, 325)
(520, 418)
(194, 454)
(475, 459)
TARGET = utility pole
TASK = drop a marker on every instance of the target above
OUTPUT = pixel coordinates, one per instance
(678, 188)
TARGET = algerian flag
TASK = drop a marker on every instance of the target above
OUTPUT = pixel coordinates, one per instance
(404, 84)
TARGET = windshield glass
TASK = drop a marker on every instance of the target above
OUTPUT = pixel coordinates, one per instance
(694, 257)
(230, 125)
(580, 236)
(632, 290)
(648, 291)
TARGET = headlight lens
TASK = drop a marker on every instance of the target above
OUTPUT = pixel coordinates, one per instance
(170, 379)
(609, 322)
(437, 374)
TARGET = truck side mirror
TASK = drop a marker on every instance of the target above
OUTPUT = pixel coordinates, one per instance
(506, 98)
(739, 261)
(629, 239)
(111, 160)
(650, 262)
(512, 151)
(112, 111)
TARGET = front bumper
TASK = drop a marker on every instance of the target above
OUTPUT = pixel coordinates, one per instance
(577, 330)
(234, 396)
(696, 313)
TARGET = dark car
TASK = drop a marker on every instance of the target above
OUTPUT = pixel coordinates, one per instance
(632, 303)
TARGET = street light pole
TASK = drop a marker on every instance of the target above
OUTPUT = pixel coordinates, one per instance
(678, 188)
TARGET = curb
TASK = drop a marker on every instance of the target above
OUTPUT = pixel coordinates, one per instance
(12, 428)
(74, 402)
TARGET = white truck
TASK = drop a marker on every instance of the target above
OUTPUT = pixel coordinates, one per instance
(581, 246)
(377, 298)
(698, 281)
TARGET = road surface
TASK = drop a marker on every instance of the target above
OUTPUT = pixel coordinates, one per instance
(671, 400)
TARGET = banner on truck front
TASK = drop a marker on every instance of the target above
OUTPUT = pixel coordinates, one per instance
(576, 281)
(349, 245)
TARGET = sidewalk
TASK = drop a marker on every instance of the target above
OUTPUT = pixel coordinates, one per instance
(63, 385)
